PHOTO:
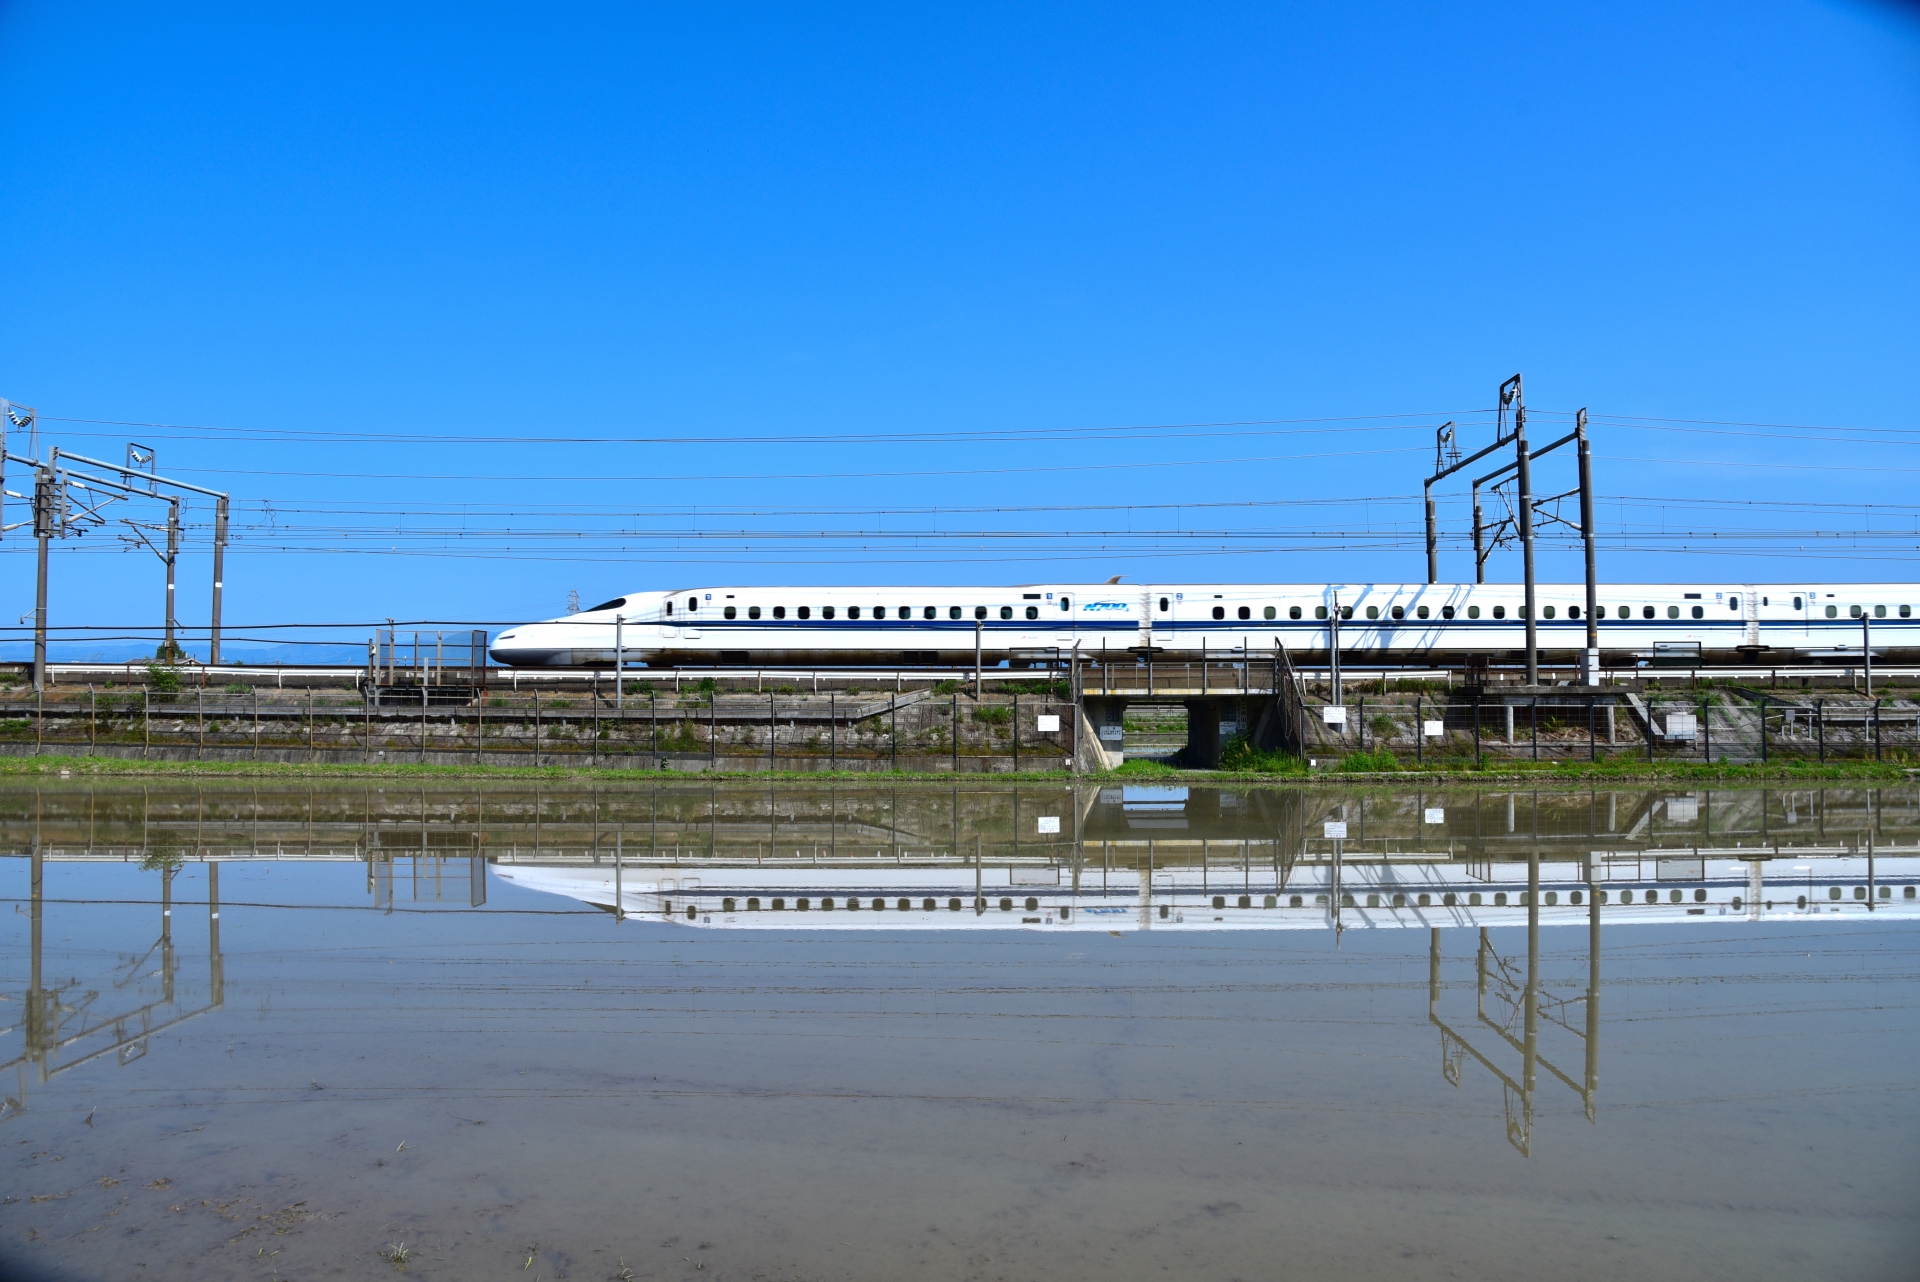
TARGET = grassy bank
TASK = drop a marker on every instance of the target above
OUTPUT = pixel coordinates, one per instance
(1256, 769)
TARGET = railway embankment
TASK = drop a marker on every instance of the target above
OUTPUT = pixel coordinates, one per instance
(716, 726)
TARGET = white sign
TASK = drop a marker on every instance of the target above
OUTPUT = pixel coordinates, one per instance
(1049, 823)
(1335, 828)
(1333, 716)
(1113, 734)
(1436, 815)
(1433, 729)
(1048, 723)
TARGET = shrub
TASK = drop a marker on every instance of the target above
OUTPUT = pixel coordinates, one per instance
(164, 679)
(993, 716)
(238, 687)
(1364, 762)
(1240, 755)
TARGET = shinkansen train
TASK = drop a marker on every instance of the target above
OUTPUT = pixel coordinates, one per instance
(1396, 623)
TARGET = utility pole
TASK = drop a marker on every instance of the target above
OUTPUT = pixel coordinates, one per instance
(1443, 440)
(46, 499)
(1333, 649)
(1587, 535)
(1525, 473)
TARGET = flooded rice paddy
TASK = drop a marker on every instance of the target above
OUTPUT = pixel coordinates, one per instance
(715, 1031)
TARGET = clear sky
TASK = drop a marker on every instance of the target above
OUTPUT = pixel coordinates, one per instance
(473, 306)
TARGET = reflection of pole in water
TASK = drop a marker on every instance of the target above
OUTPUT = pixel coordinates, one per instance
(216, 964)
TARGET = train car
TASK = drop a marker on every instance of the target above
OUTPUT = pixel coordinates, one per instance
(1387, 623)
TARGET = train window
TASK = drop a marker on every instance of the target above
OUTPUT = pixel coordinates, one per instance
(1906, 612)
(979, 611)
(1646, 612)
(1879, 611)
(693, 603)
(1066, 603)
(1346, 612)
(1219, 612)
(1373, 612)
(1269, 612)
(1473, 899)
(1853, 612)
(1500, 899)
(1573, 612)
(1399, 611)
(1546, 613)
(779, 611)
(953, 612)
(1293, 612)
(1833, 612)
(853, 612)
(953, 905)
(669, 609)
(1033, 612)
(1673, 612)
(753, 612)
(1319, 611)
(1473, 612)
(1006, 612)
(1421, 611)
(1245, 613)
(1733, 603)
(826, 612)
(729, 612)
(1626, 612)
(1446, 612)
(1799, 603)
(1006, 905)
(1163, 603)
(1626, 896)
(1499, 611)
(1699, 612)
(804, 611)
(879, 611)
(1908, 893)
(614, 604)
(928, 613)
(779, 905)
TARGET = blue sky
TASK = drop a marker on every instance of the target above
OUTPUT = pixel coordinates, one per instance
(471, 307)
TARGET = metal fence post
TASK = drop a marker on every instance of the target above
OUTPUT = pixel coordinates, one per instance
(1476, 730)
(1593, 744)
(772, 727)
(1706, 731)
(1763, 729)
(1876, 729)
(1419, 736)
(1820, 726)
(146, 723)
(1649, 731)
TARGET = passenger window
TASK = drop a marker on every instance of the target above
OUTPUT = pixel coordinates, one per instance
(1373, 612)
(693, 603)
(728, 612)
(1833, 612)
(1006, 612)
(853, 612)
(1699, 612)
(1319, 611)
(1033, 612)
(1547, 613)
(953, 612)
(1346, 612)
(879, 611)
(927, 613)
(1219, 612)
(1399, 612)
(1066, 603)
(805, 611)
(1646, 612)
(1421, 611)
(1573, 612)
(1473, 612)
(1500, 899)
(669, 609)
(1446, 612)
(979, 611)
(1906, 612)
(826, 612)
(779, 611)
(1626, 612)
(1269, 612)
(1799, 603)
(1879, 611)
(753, 612)
(1163, 603)
(1733, 603)
(1245, 613)
(1853, 612)
(1499, 611)
(1293, 612)
(1673, 612)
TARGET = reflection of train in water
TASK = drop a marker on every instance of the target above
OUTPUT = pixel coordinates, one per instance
(1032, 623)
(1408, 891)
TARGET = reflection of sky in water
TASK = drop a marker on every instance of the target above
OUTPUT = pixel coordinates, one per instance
(373, 1059)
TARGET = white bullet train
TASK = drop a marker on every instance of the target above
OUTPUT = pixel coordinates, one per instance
(1411, 623)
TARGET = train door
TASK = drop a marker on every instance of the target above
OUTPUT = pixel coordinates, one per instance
(1156, 609)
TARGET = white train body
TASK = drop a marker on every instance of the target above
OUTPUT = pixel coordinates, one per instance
(1379, 623)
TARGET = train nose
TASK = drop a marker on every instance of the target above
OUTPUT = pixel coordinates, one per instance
(513, 651)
